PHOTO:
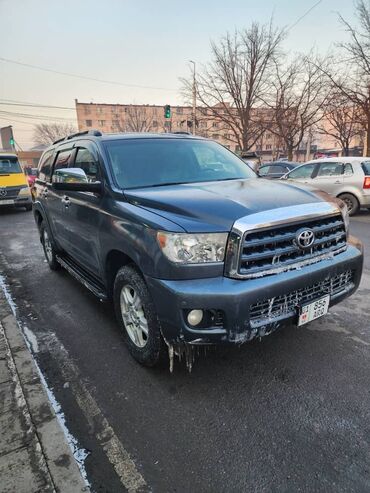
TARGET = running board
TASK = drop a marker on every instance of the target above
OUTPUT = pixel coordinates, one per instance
(81, 276)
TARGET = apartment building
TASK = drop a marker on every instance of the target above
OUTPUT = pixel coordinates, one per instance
(150, 118)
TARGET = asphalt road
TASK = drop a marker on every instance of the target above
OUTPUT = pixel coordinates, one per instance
(290, 413)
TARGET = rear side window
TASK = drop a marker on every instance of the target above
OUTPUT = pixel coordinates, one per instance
(366, 167)
(330, 169)
(45, 166)
(278, 169)
(348, 170)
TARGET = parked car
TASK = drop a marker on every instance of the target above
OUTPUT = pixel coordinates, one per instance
(276, 169)
(31, 174)
(188, 243)
(345, 177)
(14, 189)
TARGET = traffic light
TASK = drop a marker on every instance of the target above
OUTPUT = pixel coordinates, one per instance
(167, 111)
(7, 138)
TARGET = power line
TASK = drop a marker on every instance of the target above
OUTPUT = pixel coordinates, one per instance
(84, 77)
(302, 16)
(35, 117)
(6, 102)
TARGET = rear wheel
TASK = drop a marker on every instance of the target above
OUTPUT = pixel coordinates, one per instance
(48, 248)
(351, 202)
(137, 317)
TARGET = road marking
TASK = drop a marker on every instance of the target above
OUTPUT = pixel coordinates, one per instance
(117, 455)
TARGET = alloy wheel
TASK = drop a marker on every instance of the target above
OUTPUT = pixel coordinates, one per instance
(133, 316)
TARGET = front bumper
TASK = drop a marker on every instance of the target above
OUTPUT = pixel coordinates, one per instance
(17, 202)
(233, 298)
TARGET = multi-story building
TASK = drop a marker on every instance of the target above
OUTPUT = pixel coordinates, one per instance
(150, 118)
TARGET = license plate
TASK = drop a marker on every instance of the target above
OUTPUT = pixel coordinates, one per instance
(6, 202)
(313, 310)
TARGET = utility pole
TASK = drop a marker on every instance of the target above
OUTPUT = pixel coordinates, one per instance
(308, 145)
(194, 99)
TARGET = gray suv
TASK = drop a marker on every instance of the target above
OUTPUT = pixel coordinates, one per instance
(345, 177)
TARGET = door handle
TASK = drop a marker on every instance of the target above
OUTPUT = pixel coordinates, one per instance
(66, 200)
(337, 182)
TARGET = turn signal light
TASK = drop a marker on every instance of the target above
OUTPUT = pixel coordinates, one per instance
(367, 182)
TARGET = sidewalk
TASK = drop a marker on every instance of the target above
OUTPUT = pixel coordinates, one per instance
(34, 454)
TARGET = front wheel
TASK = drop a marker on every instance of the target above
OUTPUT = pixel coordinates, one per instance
(48, 248)
(351, 203)
(137, 317)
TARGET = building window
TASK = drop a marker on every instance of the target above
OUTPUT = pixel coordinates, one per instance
(237, 148)
(268, 147)
(99, 110)
(167, 124)
(101, 123)
(179, 110)
(214, 124)
(89, 123)
(215, 136)
(87, 110)
(155, 124)
(180, 124)
(203, 124)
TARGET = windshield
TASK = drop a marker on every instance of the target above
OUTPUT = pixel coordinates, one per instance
(144, 162)
(9, 165)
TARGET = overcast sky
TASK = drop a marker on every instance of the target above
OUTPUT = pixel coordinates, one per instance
(139, 43)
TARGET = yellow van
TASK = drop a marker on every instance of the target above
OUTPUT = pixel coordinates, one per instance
(14, 189)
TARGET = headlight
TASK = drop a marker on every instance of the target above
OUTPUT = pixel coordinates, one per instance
(184, 248)
(344, 209)
(24, 192)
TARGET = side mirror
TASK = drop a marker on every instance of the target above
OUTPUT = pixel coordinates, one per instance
(74, 180)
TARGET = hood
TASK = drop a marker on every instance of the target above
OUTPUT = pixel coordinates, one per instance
(13, 180)
(215, 206)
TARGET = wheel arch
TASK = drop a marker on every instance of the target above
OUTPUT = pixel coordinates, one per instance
(115, 259)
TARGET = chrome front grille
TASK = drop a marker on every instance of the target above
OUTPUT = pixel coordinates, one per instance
(9, 193)
(274, 249)
(285, 305)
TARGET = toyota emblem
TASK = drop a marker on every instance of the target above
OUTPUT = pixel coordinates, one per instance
(2, 192)
(305, 238)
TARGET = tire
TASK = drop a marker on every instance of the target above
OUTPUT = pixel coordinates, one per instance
(351, 202)
(133, 303)
(48, 248)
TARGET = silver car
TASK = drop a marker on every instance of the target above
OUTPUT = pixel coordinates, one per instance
(344, 177)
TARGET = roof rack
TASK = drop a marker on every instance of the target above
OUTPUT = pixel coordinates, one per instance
(96, 133)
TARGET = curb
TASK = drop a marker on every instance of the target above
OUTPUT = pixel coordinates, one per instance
(65, 476)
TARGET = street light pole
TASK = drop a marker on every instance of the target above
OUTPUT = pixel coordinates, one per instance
(194, 99)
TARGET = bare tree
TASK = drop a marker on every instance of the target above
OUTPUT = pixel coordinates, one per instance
(231, 86)
(298, 96)
(47, 133)
(138, 120)
(350, 72)
(340, 121)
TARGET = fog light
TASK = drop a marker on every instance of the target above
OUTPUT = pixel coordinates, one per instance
(195, 317)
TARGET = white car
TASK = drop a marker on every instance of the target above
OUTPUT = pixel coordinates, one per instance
(345, 177)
